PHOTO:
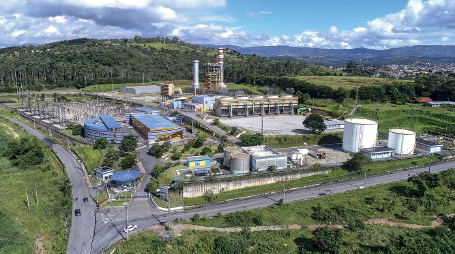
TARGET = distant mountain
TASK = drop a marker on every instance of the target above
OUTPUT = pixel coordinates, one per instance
(431, 53)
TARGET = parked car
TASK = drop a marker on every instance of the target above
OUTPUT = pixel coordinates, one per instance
(85, 199)
(130, 228)
(77, 212)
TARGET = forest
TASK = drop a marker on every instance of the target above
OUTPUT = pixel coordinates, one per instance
(83, 62)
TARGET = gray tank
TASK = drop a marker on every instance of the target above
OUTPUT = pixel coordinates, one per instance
(240, 163)
(228, 152)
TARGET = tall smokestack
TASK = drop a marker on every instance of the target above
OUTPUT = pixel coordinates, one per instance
(195, 74)
(221, 63)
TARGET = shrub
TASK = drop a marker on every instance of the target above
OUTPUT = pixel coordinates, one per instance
(216, 121)
(100, 143)
(128, 162)
(176, 156)
(206, 151)
(107, 162)
(196, 217)
(128, 144)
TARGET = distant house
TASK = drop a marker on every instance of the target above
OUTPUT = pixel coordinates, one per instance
(423, 99)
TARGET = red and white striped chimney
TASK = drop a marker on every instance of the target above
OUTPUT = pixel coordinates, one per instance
(221, 56)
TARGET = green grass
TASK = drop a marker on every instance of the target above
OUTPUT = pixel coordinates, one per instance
(176, 200)
(347, 81)
(91, 156)
(108, 87)
(284, 141)
(8, 113)
(69, 132)
(336, 174)
(45, 219)
(168, 176)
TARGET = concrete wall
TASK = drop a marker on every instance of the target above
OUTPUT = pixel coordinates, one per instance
(193, 191)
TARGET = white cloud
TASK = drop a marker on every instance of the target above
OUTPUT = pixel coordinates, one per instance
(265, 12)
(58, 19)
(252, 15)
(18, 32)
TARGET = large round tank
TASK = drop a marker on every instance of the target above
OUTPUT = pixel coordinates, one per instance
(228, 152)
(272, 96)
(403, 141)
(286, 96)
(257, 97)
(240, 163)
(359, 133)
(226, 98)
(242, 98)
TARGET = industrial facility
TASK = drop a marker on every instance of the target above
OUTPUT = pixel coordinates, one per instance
(402, 141)
(104, 127)
(140, 89)
(155, 128)
(262, 157)
(359, 133)
(255, 105)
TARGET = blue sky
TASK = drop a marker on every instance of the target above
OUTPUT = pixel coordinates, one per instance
(300, 23)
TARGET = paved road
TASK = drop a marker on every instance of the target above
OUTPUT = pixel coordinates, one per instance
(82, 227)
(110, 223)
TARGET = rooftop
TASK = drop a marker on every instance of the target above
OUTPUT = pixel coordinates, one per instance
(423, 99)
(139, 87)
(103, 170)
(150, 111)
(378, 149)
(334, 122)
(198, 157)
(154, 122)
(259, 150)
(427, 142)
(110, 122)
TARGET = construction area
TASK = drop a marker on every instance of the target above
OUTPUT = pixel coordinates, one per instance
(273, 125)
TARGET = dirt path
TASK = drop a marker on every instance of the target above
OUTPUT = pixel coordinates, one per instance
(178, 228)
(12, 130)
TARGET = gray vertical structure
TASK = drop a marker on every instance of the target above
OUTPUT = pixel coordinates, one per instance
(195, 74)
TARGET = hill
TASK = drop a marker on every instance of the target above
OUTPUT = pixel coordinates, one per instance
(83, 62)
(428, 53)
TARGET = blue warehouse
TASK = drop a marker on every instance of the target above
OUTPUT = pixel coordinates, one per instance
(104, 127)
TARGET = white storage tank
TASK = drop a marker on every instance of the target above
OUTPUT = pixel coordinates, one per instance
(228, 152)
(256, 97)
(359, 133)
(286, 96)
(272, 96)
(403, 141)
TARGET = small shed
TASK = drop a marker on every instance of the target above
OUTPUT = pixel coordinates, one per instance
(317, 154)
(201, 172)
(104, 173)
(427, 146)
(198, 161)
(378, 152)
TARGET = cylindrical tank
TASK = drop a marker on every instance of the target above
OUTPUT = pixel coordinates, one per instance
(403, 141)
(240, 163)
(226, 98)
(242, 98)
(359, 133)
(272, 96)
(195, 74)
(228, 152)
(256, 97)
(286, 96)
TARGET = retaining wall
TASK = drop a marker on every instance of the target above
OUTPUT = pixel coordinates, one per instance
(193, 191)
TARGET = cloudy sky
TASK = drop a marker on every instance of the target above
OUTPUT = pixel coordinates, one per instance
(301, 23)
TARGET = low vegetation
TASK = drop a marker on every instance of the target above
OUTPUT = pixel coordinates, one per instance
(47, 221)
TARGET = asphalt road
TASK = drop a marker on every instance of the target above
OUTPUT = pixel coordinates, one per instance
(110, 223)
(83, 226)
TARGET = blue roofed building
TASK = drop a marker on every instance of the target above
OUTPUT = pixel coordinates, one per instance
(155, 128)
(104, 127)
(206, 101)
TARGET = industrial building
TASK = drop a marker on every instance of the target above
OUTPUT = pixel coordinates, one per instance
(438, 103)
(428, 145)
(104, 127)
(263, 156)
(402, 141)
(155, 128)
(140, 89)
(104, 173)
(334, 124)
(190, 106)
(255, 105)
(200, 103)
(198, 161)
(359, 133)
(169, 89)
(237, 160)
(375, 153)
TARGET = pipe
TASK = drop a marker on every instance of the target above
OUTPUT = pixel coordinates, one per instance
(195, 74)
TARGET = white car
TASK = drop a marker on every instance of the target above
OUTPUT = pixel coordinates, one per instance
(130, 228)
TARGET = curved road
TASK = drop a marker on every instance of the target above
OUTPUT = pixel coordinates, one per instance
(105, 226)
(110, 223)
(82, 227)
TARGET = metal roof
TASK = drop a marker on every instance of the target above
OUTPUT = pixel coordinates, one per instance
(154, 122)
(334, 122)
(378, 149)
(198, 157)
(440, 103)
(150, 111)
(202, 171)
(126, 176)
(95, 124)
(110, 122)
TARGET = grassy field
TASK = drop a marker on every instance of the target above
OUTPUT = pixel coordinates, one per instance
(336, 174)
(347, 82)
(91, 156)
(47, 222)
(117, 203)
(283, 141)
(176, 200)
(108, 87)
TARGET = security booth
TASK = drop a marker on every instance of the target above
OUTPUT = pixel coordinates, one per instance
(104, 173)
(198, 161)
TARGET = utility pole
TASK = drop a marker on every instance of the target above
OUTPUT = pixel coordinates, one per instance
(127, 231)
(284, 191)
(28, 204)
(169, 208)
(431, 159)
(36, 192)
(356, 94)
(262, 124)
(365, 179)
